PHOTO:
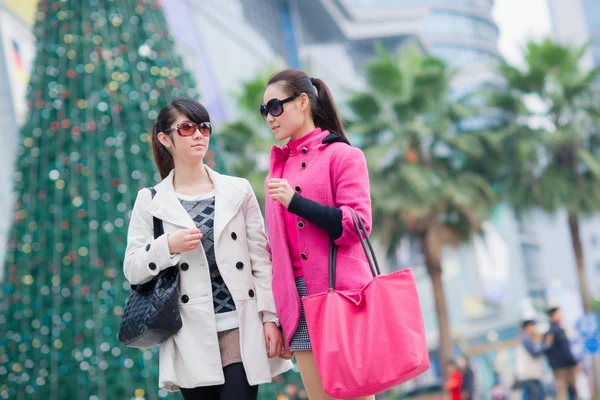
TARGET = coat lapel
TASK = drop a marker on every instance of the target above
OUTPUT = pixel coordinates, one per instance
(228, 199)
(166, 206)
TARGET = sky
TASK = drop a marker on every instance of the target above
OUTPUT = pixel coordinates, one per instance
(519, 21)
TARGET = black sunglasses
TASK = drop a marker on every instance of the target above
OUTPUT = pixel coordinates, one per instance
(189, 128)
(274, 107)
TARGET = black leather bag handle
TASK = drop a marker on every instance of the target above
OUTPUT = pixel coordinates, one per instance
(365, 241)
(158, 231)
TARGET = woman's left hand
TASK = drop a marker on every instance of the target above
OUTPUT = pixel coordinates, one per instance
(281, 191)
(273, 339)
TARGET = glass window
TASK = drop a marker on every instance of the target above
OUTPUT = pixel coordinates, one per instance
(531, 259)
(443, 23)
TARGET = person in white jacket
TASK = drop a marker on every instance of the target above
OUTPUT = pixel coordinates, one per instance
(214, 234)
(529, 362)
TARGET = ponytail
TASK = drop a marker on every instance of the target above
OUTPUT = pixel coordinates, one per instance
(162, 158)
(325, 113)
(323, 109)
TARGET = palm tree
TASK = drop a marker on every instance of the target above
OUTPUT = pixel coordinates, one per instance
(246, 142)
(551, 133)
(422, 185)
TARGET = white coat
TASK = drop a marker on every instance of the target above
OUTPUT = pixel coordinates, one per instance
(191, 357)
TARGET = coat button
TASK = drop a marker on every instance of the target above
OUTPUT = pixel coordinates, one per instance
(300, 224)
(303, 165)
(251, 293)
(185, 266)
(303, 256)
(304, 150)
(148, 247)
(152, 266)
(233, 235)
(239, 265)
(298, 189)
(185, 298)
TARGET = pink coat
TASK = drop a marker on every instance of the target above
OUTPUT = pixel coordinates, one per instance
(335, 175)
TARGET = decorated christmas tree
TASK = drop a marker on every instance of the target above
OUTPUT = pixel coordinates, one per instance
(103, 70)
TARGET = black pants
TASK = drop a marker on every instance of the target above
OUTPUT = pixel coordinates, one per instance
(236, 387)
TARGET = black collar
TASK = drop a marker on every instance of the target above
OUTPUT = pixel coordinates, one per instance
(333, 138)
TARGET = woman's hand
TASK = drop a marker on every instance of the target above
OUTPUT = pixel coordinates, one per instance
(286, 352)
(281, 191)
(273, 339)
(183, 240)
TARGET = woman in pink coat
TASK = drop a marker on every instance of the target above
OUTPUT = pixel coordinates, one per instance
(315, 181)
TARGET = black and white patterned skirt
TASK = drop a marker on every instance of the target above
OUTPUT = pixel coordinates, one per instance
(301, 340)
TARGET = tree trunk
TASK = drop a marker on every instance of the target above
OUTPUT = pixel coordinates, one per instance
(576, 241)
(434, 269)
(583, 288)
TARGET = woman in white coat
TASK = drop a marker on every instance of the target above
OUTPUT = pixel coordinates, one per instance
(214, 233)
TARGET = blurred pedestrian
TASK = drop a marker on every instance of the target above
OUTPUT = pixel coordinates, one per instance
(529, 362)
(561, 358)
(468, 378)
(454, 382)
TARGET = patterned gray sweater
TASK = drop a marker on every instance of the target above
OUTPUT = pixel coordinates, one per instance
(202, 212)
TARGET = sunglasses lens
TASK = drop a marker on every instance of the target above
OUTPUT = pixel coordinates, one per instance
(263, 111)
(274, 107)
(187, 129)
(205, 128)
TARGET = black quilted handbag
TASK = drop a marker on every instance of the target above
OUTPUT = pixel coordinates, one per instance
(151, 312)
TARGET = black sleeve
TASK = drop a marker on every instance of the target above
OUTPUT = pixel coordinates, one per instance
(325, 217)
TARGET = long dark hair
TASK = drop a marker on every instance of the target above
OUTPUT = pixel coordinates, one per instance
(324, 111)
(181, 106)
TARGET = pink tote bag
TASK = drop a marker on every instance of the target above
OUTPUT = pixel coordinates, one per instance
(370, 340)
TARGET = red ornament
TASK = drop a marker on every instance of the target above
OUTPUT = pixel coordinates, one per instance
(85, 289)
(99, 263)
(39, 103)
(66, 124)
(66, 94)
(91, 126)
(76, 131)
(117, 108)
(71, 74)
(81, 213)
(54, 125)
(64, 224)
(115, 182)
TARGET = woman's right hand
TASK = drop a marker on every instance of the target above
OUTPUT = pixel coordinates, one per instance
(183, 240)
